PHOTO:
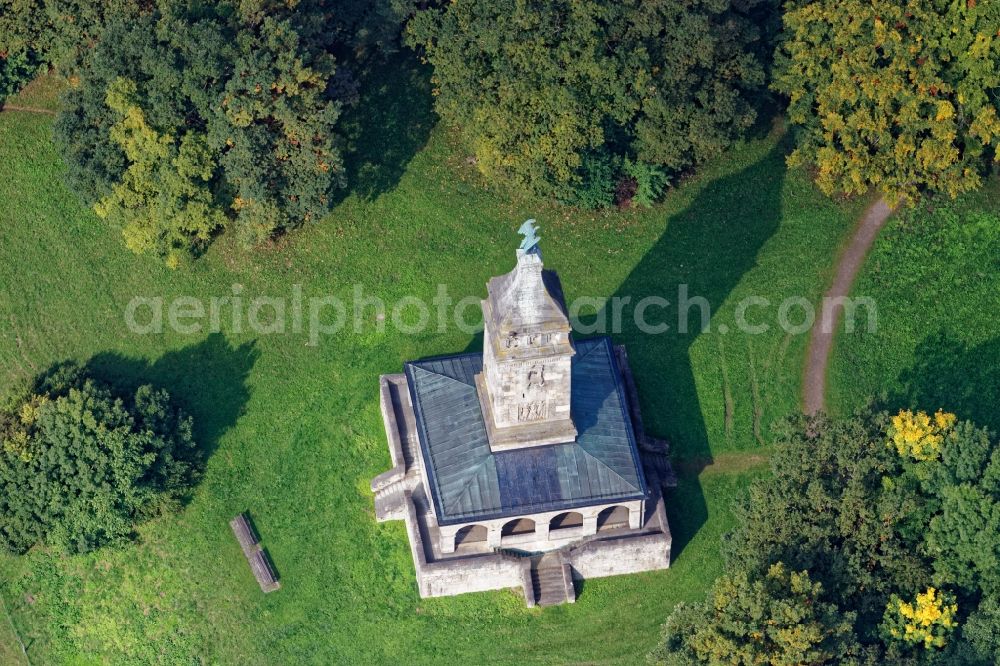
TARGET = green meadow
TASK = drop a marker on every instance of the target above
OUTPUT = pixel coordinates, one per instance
(292, 429)
(934, 275)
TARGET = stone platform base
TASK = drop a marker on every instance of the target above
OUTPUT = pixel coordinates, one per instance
(545, 578)
(617, 551)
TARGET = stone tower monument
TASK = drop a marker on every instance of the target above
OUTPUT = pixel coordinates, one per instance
(525, 386)
(526, 465)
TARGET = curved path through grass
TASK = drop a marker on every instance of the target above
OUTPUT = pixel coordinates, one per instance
(821, 337)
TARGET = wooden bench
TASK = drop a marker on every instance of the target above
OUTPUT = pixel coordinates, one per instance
(263, 570)
(244, 533)
(257, 557)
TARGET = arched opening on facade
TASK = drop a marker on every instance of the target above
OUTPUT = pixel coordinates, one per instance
(518, 526)
(566, 520)
(612, 518)
(470, 535)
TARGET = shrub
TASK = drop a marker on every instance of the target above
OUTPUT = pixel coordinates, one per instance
(598, 174)
(650, 181)
(606, 179)
(81, 466)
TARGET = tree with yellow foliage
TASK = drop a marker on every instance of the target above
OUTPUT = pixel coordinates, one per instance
(896, 96)
(926, 623)
(918, 435)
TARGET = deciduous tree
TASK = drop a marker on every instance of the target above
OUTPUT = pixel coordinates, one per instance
(80, 466)
(897, 522)
(164, 202)
(39, 33)
(233, 114)
(539, 88)
(899, 96)
(778, 618)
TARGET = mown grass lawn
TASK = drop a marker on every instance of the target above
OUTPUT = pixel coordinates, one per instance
(934, 274)
(10, 649)
(293, 430)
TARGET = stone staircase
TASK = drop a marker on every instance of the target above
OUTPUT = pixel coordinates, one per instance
(658, 469)
(551, 583)
(389, 499)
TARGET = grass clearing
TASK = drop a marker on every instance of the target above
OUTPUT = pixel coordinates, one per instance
(42, 93)
(294, 430)
(10, 646)
(934, 274)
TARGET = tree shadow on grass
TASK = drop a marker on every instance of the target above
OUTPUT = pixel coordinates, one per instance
(949, 374)
(389, 125)
(708, 247)
(208, 380)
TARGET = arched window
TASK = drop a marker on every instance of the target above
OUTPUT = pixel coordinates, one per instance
(518, 526)
(566, 520)
(612, 517)
(469, 535)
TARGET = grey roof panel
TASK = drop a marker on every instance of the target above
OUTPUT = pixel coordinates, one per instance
(469, 482)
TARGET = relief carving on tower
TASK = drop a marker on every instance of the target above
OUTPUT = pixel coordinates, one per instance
(525, 384)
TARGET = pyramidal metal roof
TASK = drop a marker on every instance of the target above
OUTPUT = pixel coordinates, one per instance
(469, 482)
